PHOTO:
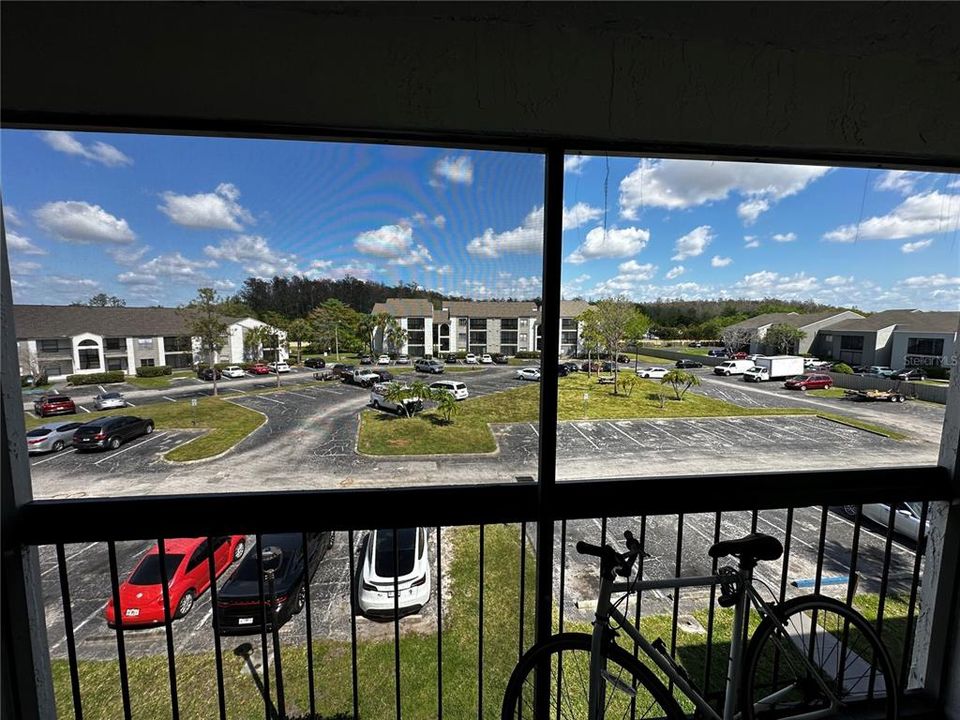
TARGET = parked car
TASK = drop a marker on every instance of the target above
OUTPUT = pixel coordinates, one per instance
(906, 519)
(684, 364)
(383, 359)
(187, 564)
(259, 369)
(361, 377)
(913, 374)
(733, 367)
(608, 366)
(233, 371)
(590, 367)
(378, 398)
(428, 366)
(562, 370)
(652, 373)
(342, 370)
(110, 432)
(451, 359)
(571, 367)
(470, 359)
(528, 373)
(694, 344)
(737, 356)
(402, 359)
(454, 387)
(47, 405)
(52, 437)
(366, 360)
(240, 610)
(486, 359)
(279, 367)
(813, 381)
(500, 359)
(109, 400)
(209, 374)
(384, 375)
(395, 562)
(717, 352)
(315, 363)
(880, 371)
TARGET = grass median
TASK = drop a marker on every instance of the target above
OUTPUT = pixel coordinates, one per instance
(225, 424)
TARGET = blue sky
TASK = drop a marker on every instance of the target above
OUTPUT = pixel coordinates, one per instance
(151, 218)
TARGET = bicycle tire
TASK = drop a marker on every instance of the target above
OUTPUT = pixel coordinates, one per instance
(516, 700)
(837, 629)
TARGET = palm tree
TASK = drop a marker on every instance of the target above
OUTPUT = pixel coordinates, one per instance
(446, 404)
(366, 327)
(679, 378)
(397, 393)
(396, 335)
(298, 331)
(253, 340)
(381, 321)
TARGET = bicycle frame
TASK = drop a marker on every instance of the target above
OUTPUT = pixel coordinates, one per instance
(606, 612)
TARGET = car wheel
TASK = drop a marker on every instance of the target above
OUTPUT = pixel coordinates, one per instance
(239, 549)
(827, 387)
(114, 443)
(148, 429)
(802, 388)
(186, 604)
(301, 600)
(330, 544)
(850, 511)
(399, 411)
(376, 405)
(57, 446)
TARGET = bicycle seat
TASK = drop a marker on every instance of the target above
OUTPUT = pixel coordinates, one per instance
(749, 548)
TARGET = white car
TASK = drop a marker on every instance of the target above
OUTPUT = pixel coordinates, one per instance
(455, 388)
(652, 373)
(233, 371)
(106, 401)
(754, 357)
(278, 367)
(470, 359)
(378, 398)
(383, 360)
(529, 373)
(395, 576)
(906, 520)
(486, 359)
(402, 359)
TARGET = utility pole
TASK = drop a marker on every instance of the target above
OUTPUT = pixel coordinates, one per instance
(336, 337)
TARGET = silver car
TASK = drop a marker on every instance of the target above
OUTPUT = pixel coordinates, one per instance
(52, 437)
(906, 519)
(108, 401)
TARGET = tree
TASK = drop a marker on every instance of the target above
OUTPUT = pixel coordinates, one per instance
(613, 317)
(335, 324)
(627, 383)
(398, 393)
(446, 405)
(206, 324)
(253, 341)
(365, 328)
(298, 331)
(637, 326)
(591, 333)
(783, 338)
(735, 339)
(396, 335)
(104, 300)
(680, 379)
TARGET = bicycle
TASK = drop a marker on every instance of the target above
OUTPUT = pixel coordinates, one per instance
(808, 658)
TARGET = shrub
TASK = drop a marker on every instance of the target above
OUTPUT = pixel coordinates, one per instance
(146, 371)
(842, 368)
(31, 381)
(101, 378)
(936, 372)
(528, 354)
(218, 366)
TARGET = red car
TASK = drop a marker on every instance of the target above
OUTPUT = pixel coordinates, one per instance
(53, 405)
(260, 369)
(188, 576)
(738, 356)
(809, 382)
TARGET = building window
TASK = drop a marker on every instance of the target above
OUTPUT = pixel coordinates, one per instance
(415, 337)
(52, 346)
(416, 323)
(478, 323)
(568, 324)
(145, 342)
(568, 338)
(508, 337)
(925, 346)
(89, 355)
(462, 322)
(178, 360)
(117, 363)
(178, 344)
(508, 349)
(56, 368)
(147, 362)
(478, 338)
(851, 342)
(508, 324)
(115, 343)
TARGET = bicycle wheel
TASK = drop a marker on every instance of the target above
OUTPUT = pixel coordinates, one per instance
(820, 653)
(631, 690)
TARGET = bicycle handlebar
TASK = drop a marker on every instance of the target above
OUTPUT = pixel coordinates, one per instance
(585, 548)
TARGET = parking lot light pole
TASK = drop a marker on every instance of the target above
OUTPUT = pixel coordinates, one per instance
(271, 561)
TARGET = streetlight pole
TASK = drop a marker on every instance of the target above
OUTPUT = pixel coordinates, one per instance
(336, 337)
(271, 560)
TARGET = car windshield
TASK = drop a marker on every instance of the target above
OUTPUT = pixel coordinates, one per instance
(111, 396)
(39, 432)
(247, 572)
(799, 377)
(148, 572)
(383, 552)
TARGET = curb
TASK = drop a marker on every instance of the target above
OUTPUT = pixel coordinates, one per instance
(206, 431)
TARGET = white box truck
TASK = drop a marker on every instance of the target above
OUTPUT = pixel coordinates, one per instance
(774, 367)
(733, 367)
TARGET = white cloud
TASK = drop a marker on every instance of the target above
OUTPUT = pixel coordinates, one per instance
(785, 237)
(838, 280)
(419, 255)
(902, 181)
(675, 272)
(387, 241)
(23, 267)
(99, 152)
(718, 262)
(439, 269)
(326, 269)
(912, 247)
(127, 256)
(136, 278)
(169, 268)
(927, 213)
(11, 216)
(693, 243)
(218, 210)
(71, 284)
(615, 242)
(750, 241)
(766, 283)
(81, 222)
(19, 243)
(679, 184)
(954, 184)
(457, 169)
(528, 237)
(440, 221)
(255, 255)
(574, 163)
(636, 270)
(224, 284)
(938, 280)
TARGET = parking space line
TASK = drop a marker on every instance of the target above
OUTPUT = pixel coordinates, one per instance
(52, 457)
(203, 620)
(585, 436)
(165, 397)
(76, 629)
(154, 436)
(290, 392)
(130, 403)
(264, 397)
(101, 388)
(626, 435)
(702, 427)
(69, 558)
(656, 425)
(83, 408)
(30, 413)
(534, 428)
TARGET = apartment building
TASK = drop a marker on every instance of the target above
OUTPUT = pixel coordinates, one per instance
(810, 324)
(895, 338)
(64, 340)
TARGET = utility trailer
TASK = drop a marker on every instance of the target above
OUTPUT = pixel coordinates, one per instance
(875, 395)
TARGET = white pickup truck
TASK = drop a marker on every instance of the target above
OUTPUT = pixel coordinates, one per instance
(363, 378)
(378, 398)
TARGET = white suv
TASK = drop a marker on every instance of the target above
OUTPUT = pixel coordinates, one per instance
(457, 389)
(470, 359)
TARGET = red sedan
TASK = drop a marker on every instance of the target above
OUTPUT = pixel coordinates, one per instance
(260, 369)
(809, 382)
(188, 576)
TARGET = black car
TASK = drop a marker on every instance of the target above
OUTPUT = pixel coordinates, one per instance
(499, 359)
(563, 370)
(342, 370)
(239, 607)
(451, 360)
(385, 375)
(315, 363)
(608, 366)
(208, 374)
(109, 432)
(571, 367)
(689, 364)
(910, 374)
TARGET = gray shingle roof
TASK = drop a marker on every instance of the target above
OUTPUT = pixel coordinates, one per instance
(405, 307)
(793, 319)
(491, 309)
(905, 320)
(50, 321)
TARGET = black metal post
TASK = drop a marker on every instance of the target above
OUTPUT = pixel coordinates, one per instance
(272, 556)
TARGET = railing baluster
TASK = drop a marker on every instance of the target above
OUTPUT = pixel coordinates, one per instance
(267, 702)
(912, 607)
(636, 619)
(603, 531)
(676, 592)
(168, 628)
(563, 568)
(820, 548)
(396, 623)
(118, 620)
(440, 628)
(711, 610)
(215, 615)
(852, 583)
(787, 537)
(353, 625)
(68, 629)
(882, 600)
(311, 689)
(480, 634)
(523, 569)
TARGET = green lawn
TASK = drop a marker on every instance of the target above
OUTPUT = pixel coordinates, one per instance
(226, 424)
(827, 392)
(159, 382)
